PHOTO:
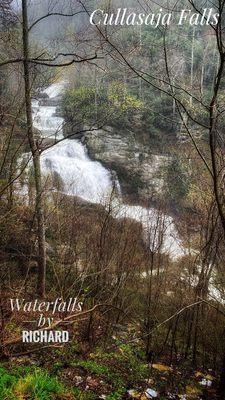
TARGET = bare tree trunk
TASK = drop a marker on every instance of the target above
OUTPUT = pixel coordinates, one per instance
(36, 159)
(192, 64)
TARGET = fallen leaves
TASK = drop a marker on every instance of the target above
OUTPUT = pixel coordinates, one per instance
(192, 392)
(199, 374)
(162, 367)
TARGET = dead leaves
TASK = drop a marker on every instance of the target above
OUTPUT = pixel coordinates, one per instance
(162, 367)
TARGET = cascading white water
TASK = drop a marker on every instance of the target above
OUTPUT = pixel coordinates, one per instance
(80, 176)
(44, 117)
(46, 123)
(55, 89)
(159, 229)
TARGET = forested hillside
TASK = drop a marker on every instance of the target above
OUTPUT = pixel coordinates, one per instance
(112, 199)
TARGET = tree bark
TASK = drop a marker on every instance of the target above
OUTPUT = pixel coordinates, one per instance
(36, 159)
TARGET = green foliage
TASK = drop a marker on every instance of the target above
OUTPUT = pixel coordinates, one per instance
(128, 358)
(92, 367)
(100, 106)
(83, 395)
(121, 99)
(117, 395)
(96, 368)
(78, 105)
(21, 384)
(7, 381)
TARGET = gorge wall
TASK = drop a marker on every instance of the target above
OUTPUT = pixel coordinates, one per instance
(139, 170)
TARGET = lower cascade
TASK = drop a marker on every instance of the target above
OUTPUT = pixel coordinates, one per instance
(75, 174)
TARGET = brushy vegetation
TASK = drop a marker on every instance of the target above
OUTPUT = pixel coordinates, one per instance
(110, 373)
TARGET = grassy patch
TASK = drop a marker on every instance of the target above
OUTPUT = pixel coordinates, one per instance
(125, 359)
(20, 384)
(92, 367)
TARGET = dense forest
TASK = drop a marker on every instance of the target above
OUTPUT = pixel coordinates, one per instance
(112, 200)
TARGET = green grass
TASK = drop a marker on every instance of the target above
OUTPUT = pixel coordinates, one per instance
(108, 374)
(126, 358)
(22, 384)
(118, 370)
(92, 367)
(83, 395)
(117, 395)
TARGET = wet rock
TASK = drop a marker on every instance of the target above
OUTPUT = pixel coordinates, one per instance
(137, 168)
(43, 95)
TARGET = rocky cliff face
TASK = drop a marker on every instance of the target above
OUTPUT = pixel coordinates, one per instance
(139, 171)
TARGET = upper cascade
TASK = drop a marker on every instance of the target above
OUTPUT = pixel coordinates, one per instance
(45, 118)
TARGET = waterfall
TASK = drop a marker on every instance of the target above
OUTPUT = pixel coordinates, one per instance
(46, 122)
(77, 175)
(45, 118)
